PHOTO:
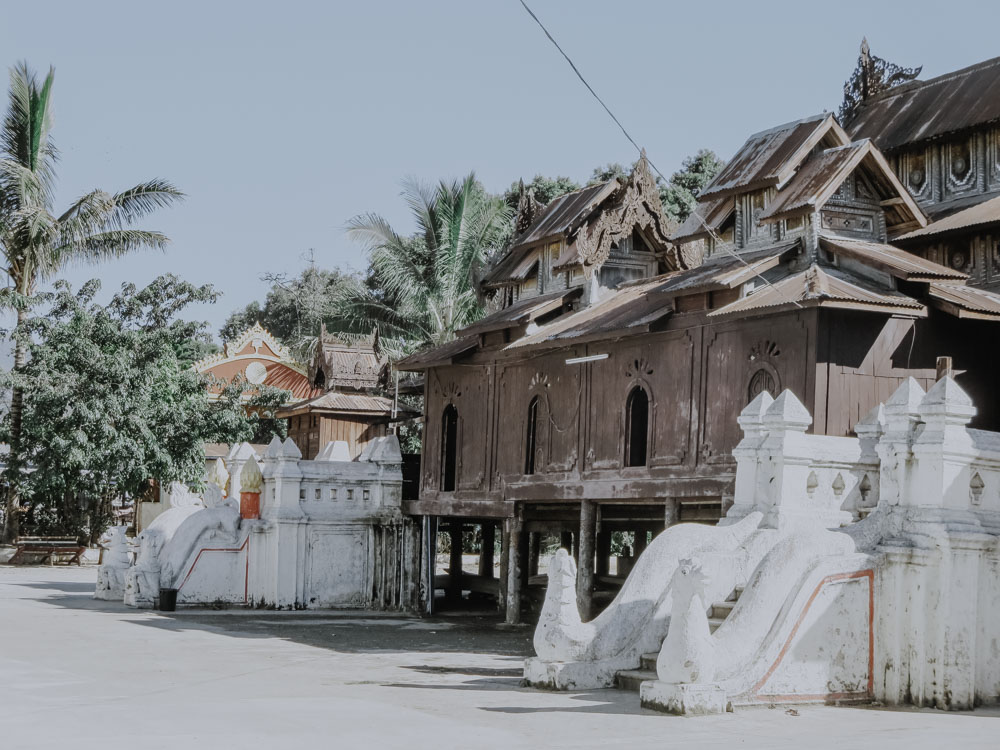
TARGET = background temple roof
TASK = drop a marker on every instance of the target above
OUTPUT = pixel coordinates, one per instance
(921, 110)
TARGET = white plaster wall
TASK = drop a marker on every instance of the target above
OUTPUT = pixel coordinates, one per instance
(338, 568)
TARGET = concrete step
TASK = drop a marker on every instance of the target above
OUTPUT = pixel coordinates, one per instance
(631, 679)
(648, 661)
(714, 623)
(721, 610)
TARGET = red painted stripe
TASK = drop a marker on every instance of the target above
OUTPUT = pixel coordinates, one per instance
(870, 575)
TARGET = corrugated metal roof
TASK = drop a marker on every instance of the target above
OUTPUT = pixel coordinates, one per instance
(521, 312)
(714, 211)
(347, 403)
(281, 376)
(770, 156)
(892, 260)
(723, 271)
(824, 287)
(566, 212)
(921, 110)
(814, 178)
(626, 310)
(513, 268)
(967, 299)
(987, 212)
(438, 355)
(560, 217)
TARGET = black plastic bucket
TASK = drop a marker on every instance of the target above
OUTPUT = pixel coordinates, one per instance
(168, 600)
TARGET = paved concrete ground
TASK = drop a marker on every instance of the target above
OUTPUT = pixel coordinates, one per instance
(83, 674)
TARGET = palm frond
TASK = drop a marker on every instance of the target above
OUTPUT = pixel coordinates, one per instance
(109, 245)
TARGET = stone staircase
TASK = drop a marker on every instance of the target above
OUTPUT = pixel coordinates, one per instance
(631, 679)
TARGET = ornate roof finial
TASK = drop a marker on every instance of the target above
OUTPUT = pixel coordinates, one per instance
(528, 209)
(872, 76)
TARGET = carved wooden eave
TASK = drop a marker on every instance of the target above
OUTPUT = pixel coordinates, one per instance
(257, 336)
(635, 206)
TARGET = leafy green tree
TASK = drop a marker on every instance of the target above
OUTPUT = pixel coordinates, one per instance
(544, 188)
(420, 289)
(110, 402)
(680, 195)
(608, 172)
(293, 309)
(36, 241)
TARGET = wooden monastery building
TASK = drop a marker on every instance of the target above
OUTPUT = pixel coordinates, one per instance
(603, 394)
(347, 406)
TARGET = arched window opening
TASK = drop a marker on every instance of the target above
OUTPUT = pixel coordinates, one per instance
(449, 448)
(760, 381)
(320, 381)
(530, 442)
(636, 427)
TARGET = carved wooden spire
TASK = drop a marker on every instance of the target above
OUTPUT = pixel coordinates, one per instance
(872, 76)
(636, 206)
(527, 209)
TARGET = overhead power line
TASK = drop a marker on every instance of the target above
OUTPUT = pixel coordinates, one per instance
(718, 240)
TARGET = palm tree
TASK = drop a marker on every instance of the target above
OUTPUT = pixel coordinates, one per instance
(36, 243)
(422, 288)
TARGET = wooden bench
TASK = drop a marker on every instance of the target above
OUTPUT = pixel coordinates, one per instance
(52, 549)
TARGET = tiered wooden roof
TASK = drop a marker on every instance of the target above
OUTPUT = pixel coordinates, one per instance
(923, 110)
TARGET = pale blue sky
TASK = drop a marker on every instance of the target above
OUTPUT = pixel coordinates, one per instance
(281, 120)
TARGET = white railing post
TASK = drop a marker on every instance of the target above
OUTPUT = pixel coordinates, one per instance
(748, 458)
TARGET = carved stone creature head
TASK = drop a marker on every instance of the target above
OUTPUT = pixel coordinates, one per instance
(182, 497)
(690, 580)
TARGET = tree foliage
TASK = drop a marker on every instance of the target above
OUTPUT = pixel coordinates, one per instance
(421, 288)
(680, 195)
(545, 189)
(36, 241)
(111, 402)
(293, 309)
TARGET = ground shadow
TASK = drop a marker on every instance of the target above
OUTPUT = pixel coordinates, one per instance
(342, 631)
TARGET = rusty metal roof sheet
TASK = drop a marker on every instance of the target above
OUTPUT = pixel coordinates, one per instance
(512, 268)
(966, 301)
(892, 260)
(625, 311)
(824, 287)
(438, 355)
(921, 110)
(816, 176)
(722, 271)
(521, 312)
(768, 158)
(566, 212)
(345, 403)
(559, 218)
(987, 212)
(710, 211)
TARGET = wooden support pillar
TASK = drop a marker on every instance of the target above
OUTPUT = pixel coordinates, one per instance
(454, 591)
(534, 551)
(514, 573)
(504, 566)
(640, 541)
(585, 564)
(603, 552)
(943, 368)
(671, 514)
(487, 549)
